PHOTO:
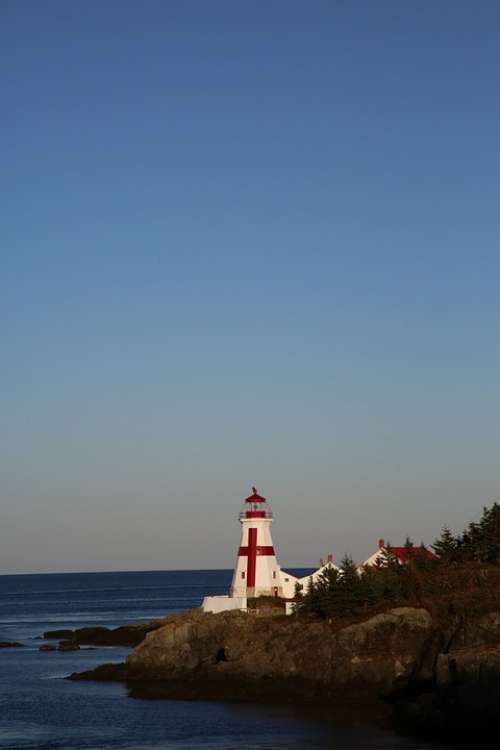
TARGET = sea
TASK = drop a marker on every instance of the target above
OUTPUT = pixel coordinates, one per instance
(40, 710)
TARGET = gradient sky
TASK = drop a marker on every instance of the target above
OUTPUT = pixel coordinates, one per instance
(246, 243)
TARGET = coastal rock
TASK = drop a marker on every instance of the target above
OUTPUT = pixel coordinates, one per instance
(373, 657)
(68, 646)
(10, 644)
(463, 705)
(477, 665)
(125, 635)
(58, 635)
(47, 647)
(475, 631)
(103, 673)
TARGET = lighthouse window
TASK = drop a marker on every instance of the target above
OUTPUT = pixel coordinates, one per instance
(274, 574)
(243, 574)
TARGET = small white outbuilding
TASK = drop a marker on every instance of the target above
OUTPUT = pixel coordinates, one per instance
(323, 566)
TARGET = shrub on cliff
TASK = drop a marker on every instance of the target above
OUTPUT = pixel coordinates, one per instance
(338, 593)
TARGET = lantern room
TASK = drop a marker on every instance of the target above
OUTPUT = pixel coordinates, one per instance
(255, 506)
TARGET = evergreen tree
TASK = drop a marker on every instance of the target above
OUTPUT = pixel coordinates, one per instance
(310, 600)
(482, 540)
(327, 588)
(490, 534)
(422, 560)
(348, 595)
(408, 549)
(349, 572)
(391, 560)
(446, 547)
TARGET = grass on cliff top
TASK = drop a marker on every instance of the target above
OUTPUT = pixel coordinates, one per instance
(266, 602)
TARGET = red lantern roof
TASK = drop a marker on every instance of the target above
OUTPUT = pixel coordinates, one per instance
(255, 497)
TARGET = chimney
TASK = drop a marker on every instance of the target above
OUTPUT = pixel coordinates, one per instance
(381, 544)
(321, 562)
(330, 557)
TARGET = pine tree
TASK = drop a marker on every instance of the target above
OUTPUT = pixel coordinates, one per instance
(391, 560)
(408, 549)
(348, 594)
(308, 599)
(487, 535)
(422, 560)
(446, 547)
(350, 575)
(327, 588)
(480, 542)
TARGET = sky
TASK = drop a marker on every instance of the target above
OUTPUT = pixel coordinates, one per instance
(245, 243)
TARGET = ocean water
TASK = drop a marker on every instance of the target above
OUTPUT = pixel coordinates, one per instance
(39, 710)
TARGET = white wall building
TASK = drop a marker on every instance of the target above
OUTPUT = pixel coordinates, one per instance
(379, 557)
(323, 566)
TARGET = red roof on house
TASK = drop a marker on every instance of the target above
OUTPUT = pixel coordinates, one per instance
(402, 554)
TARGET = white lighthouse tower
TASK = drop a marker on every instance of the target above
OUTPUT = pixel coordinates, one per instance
(257, 572)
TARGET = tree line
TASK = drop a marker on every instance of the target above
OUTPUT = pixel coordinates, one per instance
(463, 572)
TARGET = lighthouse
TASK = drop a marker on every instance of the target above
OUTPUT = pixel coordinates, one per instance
(257, 572)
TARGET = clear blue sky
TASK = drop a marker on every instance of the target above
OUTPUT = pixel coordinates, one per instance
(246, 242)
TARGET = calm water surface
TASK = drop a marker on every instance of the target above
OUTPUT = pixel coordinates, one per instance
(41, 711)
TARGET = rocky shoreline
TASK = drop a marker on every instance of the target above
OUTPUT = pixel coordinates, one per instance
(435, 680)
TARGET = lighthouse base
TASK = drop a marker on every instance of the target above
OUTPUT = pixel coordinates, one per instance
(254, 592)
(216, 604)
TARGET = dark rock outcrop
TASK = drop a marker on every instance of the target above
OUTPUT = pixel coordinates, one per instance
(58, 635)
(47, 647)
(125, 635)
(460, 703)
(103, 673)
(68, 646)
(10, 644)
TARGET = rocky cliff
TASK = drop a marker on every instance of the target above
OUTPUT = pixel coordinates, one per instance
(373, 657)
(442, 678)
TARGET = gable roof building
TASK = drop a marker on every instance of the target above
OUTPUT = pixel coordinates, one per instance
(401, 553)
(323, 566)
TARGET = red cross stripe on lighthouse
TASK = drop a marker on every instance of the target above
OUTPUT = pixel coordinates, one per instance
(259, 550)
(252, 551)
